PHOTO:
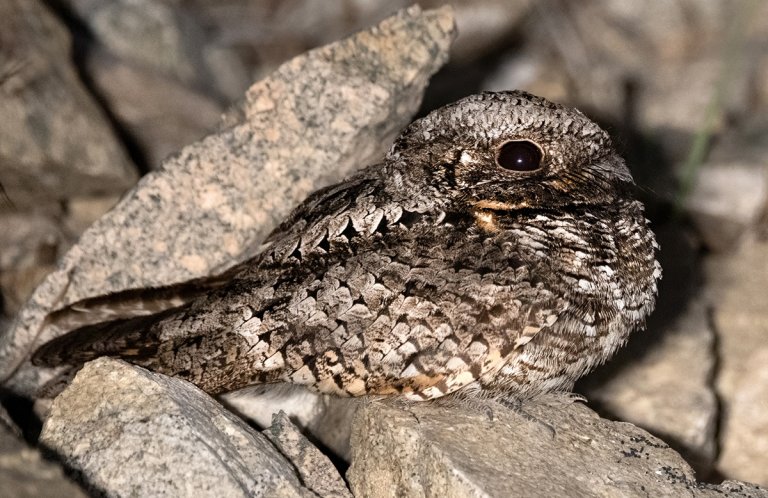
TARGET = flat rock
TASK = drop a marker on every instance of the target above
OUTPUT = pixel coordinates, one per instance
(319, 117)
(129, 432)
(428, 450)
(55, 141)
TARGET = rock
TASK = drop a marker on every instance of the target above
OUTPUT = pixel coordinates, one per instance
(129, 432)
(55, 142)
(666, 388)
(269, 34)
(315, 120)
(29, 247)
(160, 113)
(427, 450)
(623, 62)
(83, 212)
(162, 37)
(24, 473)
(327, 418)
(727, 199)
(315, 469)
(738, 281)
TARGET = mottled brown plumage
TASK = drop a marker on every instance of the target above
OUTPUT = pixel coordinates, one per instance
(496, 251)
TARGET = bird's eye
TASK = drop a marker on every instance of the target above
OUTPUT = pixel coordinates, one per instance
(520, 155)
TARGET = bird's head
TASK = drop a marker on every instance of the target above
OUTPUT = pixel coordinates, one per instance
(509, 151)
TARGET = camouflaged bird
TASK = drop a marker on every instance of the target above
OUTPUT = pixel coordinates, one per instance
(497, 251)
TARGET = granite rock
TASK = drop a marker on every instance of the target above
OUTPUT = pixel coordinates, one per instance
(128, 432)
(550, 448)
(318, 118)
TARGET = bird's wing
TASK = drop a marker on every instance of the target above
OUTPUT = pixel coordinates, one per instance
(364, 300)
(97, 312)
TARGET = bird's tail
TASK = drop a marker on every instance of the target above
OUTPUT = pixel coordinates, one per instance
(133, 339)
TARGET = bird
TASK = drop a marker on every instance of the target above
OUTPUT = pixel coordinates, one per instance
(497, 251)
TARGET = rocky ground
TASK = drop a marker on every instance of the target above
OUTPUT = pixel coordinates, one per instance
(96, 95)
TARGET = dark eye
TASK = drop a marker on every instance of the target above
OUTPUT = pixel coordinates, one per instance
(520, 155)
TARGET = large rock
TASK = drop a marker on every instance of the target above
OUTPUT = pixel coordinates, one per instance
(315, 120)
(129, 432)
(552, 448)
(55, 142)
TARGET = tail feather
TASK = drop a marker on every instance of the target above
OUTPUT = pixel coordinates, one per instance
(132, 303)
(131, 338)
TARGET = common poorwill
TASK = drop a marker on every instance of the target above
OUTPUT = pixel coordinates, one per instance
(497, 250)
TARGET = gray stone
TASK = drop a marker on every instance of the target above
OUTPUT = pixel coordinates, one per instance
(55, 142)
(315, 120)
(315, 469)
(728, 199)
(164, 38)
(327, 418)
(129, 432)
(427, 450)
(24, 473)
(738, 283)
(667, 387)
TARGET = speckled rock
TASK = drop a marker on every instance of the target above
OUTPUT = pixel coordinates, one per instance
(315, 469)
(129, 432)
(556, 449)
(55, 142)
(315, 120)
